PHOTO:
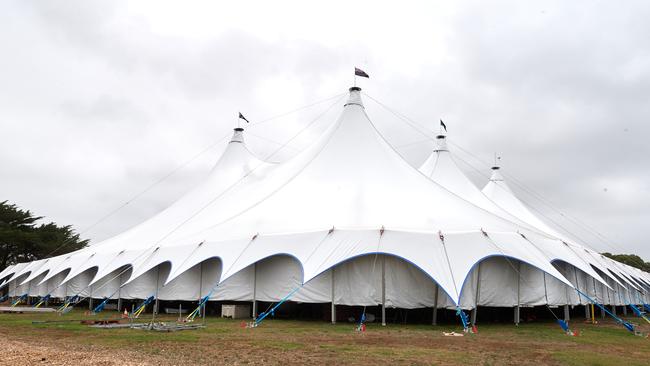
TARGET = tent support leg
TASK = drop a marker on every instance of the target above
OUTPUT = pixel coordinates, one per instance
(383, 290)
(602, 313)
(624, 310)
(614, 309)
(119, 296)
(587, 315)
(333, 299)
(518, 307)
(566, 313)
(255, 291)
(517, 317)
(155, 306)
(434, 321)
(478, 295)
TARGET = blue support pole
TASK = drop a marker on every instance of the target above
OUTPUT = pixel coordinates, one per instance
(272, 311)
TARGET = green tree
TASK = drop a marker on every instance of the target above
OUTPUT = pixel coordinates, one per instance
(632, 260)
(23, 239)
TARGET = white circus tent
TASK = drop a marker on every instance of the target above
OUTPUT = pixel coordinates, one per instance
(347, 221)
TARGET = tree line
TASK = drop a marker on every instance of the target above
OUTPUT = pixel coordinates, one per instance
(24, 238)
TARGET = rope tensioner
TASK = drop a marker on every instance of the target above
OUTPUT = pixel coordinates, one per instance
(99, 308)
(271, 312)
(136, 313)
(361, 327)
(42, 301)
(197, 311)
(466, 326)
(565, 327)
(65, 308)
(639, 313)
(19, 300)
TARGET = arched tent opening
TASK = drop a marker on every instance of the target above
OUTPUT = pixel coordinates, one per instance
(147, 284)
(17, 287)
(6, 278)
(585, 283)
(110, 284)
(36, 288)
(194, 283)
(499, 284)
(266, 281)
(636, 281)
(78, 285)
(53, 284)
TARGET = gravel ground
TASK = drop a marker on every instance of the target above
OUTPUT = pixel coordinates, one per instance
(19, 352)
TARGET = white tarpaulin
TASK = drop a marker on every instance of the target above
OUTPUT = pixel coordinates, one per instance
(348, 221)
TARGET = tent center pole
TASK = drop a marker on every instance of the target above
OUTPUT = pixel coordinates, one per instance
(119, 295)
(518, 307)
(201, 286)
(434, 320)
(566, 313)
(383, 290)
(478, 295)
(90, 299)
(333, 297)
(255, 291)
(155, 306)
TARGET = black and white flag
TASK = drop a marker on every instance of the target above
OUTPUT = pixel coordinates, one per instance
(359, 72)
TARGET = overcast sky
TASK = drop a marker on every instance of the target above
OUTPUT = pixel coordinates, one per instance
(99, 100)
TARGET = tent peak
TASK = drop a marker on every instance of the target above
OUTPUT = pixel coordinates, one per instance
(441, 143)
(238, 135)
(496, 175)
(355, 97)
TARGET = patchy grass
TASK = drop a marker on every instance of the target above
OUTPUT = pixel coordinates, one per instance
(299, 342)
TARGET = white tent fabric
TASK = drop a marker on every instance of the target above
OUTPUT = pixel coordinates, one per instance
(499, 192)
(347, 220)
(442, 169)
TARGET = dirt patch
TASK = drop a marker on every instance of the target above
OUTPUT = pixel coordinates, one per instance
(41, 352)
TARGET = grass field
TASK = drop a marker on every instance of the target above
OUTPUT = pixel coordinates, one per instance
(304, 342)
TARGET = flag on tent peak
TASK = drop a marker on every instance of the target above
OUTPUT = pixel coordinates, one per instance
(241, 116)
(443, 125)
(359, 72)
